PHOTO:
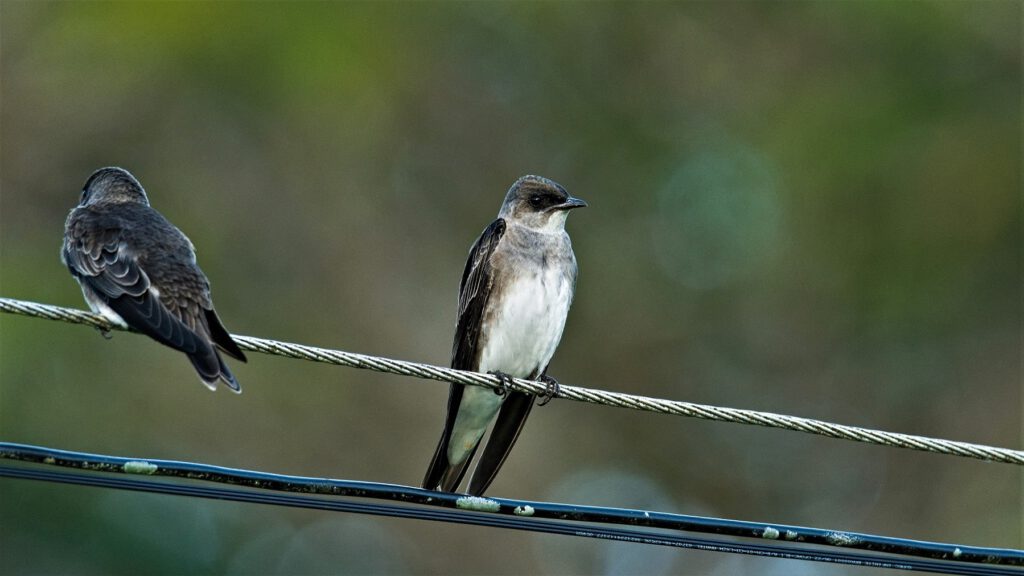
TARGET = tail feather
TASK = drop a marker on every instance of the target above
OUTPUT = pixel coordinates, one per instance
(455, 472)
(211, 368)
(504, 434)
(227, 377)
(220, 336)
(443, 475)
(438, 466)
(440, 473)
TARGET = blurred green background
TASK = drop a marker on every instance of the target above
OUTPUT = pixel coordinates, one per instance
(810, 208)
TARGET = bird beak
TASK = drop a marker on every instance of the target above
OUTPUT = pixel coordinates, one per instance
(570, 204)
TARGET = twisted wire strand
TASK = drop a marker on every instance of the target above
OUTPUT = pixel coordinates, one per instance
(602, 397)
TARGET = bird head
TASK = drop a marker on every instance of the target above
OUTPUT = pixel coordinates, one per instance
(539, 204)
(112, 185)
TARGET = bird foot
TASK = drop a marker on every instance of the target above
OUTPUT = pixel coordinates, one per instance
(104, 332)
(550, 391)
(504, 379)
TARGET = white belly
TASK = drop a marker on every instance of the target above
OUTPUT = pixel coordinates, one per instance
(527, 327)
(520, 342)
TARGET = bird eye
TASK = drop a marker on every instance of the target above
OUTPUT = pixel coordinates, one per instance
(536, 200)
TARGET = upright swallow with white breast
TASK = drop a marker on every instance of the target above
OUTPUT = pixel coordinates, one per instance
(514, 297)
(138, 270)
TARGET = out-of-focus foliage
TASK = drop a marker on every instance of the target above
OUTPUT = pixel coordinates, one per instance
(805, 207)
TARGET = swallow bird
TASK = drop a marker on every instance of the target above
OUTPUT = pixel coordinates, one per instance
(514, 297)
(138, 270)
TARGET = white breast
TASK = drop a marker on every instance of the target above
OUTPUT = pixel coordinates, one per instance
(528, 324)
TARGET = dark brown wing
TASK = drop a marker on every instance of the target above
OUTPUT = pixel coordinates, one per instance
(474, 291)
(97, 254)
(100, 252)
(473, 294)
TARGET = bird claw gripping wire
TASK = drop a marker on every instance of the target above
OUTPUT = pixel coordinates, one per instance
(104, 332)
(504, 379)
(550, 391)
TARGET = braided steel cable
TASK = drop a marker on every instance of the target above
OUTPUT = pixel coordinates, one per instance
(602, 397)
